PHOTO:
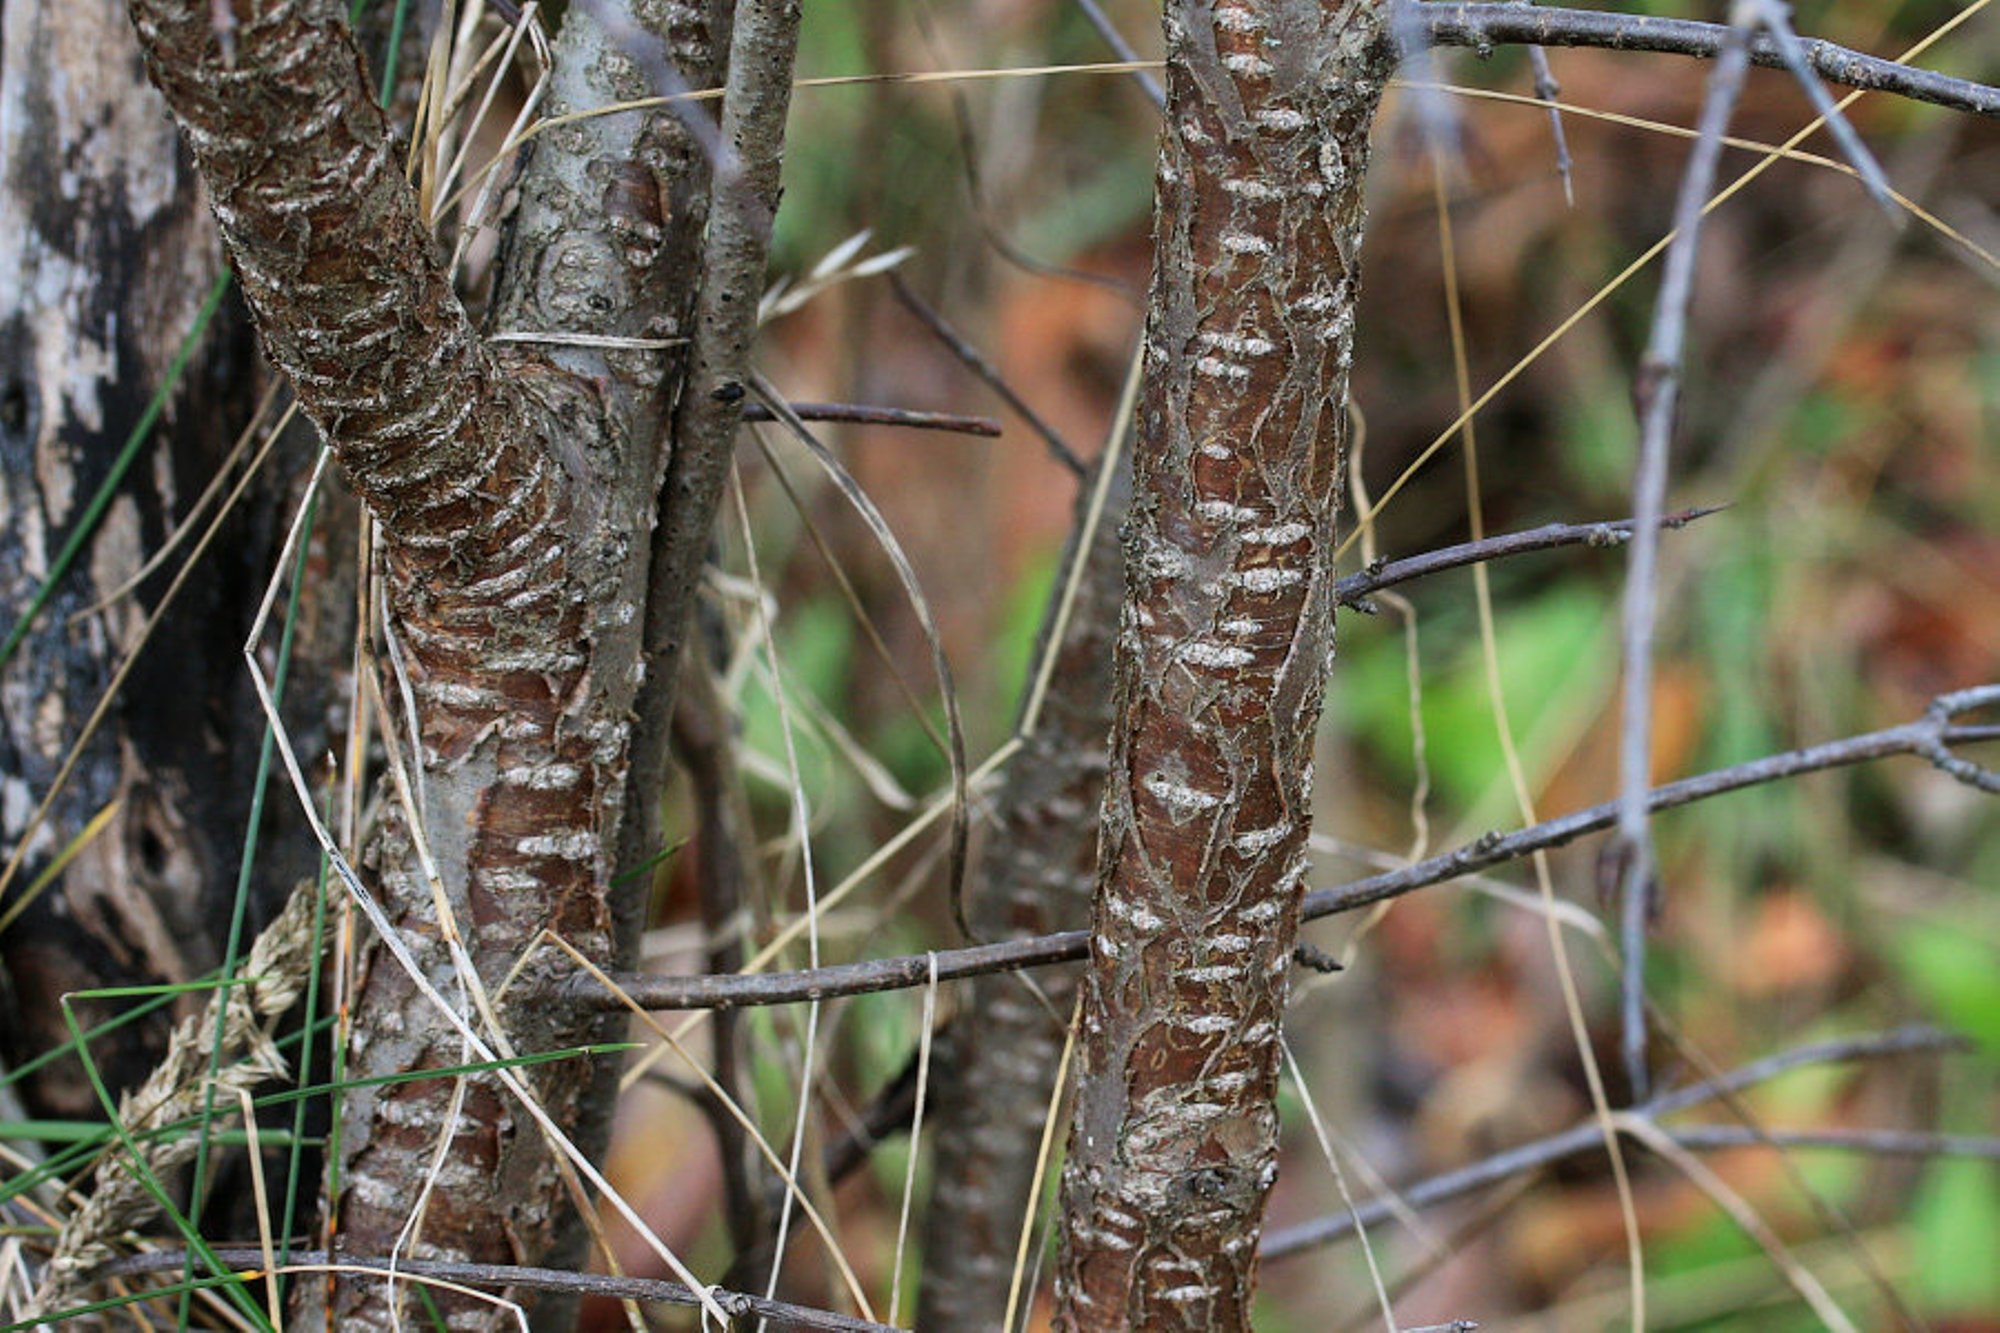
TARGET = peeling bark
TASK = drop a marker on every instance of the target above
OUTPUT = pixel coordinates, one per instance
(1223, 649)
(997, 1065)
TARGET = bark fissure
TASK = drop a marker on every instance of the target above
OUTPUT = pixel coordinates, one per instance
(1226, 637)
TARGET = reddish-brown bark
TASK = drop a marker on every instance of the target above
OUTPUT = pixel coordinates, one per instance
(1226, 638)
(511, 493)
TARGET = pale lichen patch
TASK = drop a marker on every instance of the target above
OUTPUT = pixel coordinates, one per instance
(1214, 656)
(1279, 534)
(1266, 578)
(573, 846)
(1180, 799)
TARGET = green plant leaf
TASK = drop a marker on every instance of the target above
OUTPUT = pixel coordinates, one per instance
(1953, 970)
(1955, 1222)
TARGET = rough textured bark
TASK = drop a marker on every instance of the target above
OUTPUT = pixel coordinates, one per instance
(749, 150)
(508, 489)
(108, 256)
(997, 1065)
(1223, 648)
(606, 241)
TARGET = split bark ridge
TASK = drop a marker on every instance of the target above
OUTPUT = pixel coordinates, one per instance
(1222, 656)
(514, 493)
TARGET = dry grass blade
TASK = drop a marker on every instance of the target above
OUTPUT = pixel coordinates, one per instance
(1517, 774)
(244, 1009)
(801, 830)
(1809, 1288)
(787, 1174)
(1044, 1154)
(1908, 205)
(1332, 1161)
(961, 794)
(925, 1030)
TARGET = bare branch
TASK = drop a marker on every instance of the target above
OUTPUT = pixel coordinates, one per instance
(1484, 26)
(751, 989)
(1588, 1136)
(1926, 737)
(1548, 90)
(1923, 737)
(1875, 1142)
(1098, 19)
(860, 414)
(1773, 20)
(745, 201)
(336, 259)
(973, 361)
(727, 887)
(779, 1314)
(1657, 393)
(1355, 589)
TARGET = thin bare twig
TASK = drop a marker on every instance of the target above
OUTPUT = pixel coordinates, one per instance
(954, 747)
(1354, 590)
(1548, 90)
(861, 414)
(1657, 391)
(1485, 26)
(975, 362)
(740, 1305)
(743, 206)
(1584, 1137)
(1773, 18)
(725, 874)
(1123, 49)
(1876, 1142)
(1927, 737)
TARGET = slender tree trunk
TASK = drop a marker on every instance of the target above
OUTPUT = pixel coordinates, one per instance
(998, 1065)
(607, 241)
(513, 492)
(1226, 639)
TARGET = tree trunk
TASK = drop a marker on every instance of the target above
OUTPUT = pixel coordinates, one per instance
(1225, 642)
(512, 491)
(998, 1064)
